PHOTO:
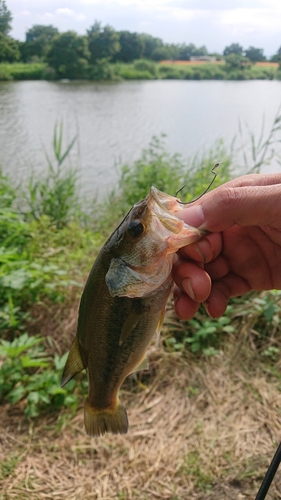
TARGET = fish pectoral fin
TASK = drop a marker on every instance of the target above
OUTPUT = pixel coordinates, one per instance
(73, 365)
(129, 325)
(160, 321)
(143, 365)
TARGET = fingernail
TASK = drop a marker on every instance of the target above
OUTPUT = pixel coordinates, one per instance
(201, 252)
(206, 306)
(176, 299)
(187, 286)
(193, 216)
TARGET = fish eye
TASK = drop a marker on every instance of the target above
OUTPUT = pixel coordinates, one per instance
(135, 228)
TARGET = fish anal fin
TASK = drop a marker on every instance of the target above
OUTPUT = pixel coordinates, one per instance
(98, 422)
(74, 363)
(129, 325)
(143, 365)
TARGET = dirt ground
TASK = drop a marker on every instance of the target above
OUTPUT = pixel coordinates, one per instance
(199, 429)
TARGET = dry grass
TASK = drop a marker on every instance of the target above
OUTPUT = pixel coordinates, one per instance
(199, 429)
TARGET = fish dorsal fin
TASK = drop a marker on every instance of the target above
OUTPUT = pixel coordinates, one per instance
(143, 365)
(73, 365)
(129, 325)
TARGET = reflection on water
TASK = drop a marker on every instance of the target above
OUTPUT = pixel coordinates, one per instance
(114, 122)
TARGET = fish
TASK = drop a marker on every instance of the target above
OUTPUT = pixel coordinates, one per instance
(123, 305)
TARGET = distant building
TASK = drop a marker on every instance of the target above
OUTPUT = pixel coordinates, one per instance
(203, 58)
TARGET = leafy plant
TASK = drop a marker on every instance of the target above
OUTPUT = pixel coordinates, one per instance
(25, 275)
(201, 335)
(169, 173)
(30, 375)
(7, 191)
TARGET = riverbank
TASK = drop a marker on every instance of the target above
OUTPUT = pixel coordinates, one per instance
(212, 394)
(147, 70)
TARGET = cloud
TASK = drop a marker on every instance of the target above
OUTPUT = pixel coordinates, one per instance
(46, 16)
(261, 19)
(214, 23)
(151, 4)
(70, 13)
(185, 15)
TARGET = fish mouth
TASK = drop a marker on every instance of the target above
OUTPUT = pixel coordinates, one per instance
(165, 201)
(175, 231)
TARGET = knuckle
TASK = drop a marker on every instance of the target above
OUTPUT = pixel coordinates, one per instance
(230, 197)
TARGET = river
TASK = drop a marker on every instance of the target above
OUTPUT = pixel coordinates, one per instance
(114, 122)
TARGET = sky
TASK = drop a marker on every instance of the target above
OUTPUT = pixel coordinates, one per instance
(213, 23)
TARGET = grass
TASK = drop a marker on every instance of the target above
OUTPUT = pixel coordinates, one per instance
(220, 440)
(144, 70)
(21, 71)
(204, 420)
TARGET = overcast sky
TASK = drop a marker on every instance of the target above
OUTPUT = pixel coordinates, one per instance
(214, 23)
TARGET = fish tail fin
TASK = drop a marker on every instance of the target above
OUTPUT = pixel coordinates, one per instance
(98, 422)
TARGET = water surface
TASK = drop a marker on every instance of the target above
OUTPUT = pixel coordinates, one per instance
(114, 122)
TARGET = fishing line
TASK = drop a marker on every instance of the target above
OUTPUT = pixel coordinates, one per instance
(271, 471)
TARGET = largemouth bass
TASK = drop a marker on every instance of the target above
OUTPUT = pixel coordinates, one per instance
(123, 304)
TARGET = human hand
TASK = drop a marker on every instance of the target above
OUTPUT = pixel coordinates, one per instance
(242, 251)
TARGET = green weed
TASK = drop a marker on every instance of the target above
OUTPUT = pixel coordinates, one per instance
(8, 466)
(192, 466)
(142, 69)
(55, 194)
(201, 335)
(21, 71)
(30, 375)
(169, 173)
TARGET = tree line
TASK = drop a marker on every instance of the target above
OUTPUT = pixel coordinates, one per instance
(71, 55)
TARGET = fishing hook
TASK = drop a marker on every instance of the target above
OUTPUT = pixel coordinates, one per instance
(204, 192)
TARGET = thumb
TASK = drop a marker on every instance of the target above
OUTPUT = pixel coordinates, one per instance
(229, 205)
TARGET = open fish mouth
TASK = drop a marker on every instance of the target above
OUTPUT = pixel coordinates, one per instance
(149, 263)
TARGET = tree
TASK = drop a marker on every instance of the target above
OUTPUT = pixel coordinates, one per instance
(103, 42)
(150, 44)
(9, 49)
(255, 54)
(166, 52)
(5, 18)
(132, 47)
(69, 55)
(37, 41)
(237, 61)
(187, 51)
(276, 57)
(234, 48)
